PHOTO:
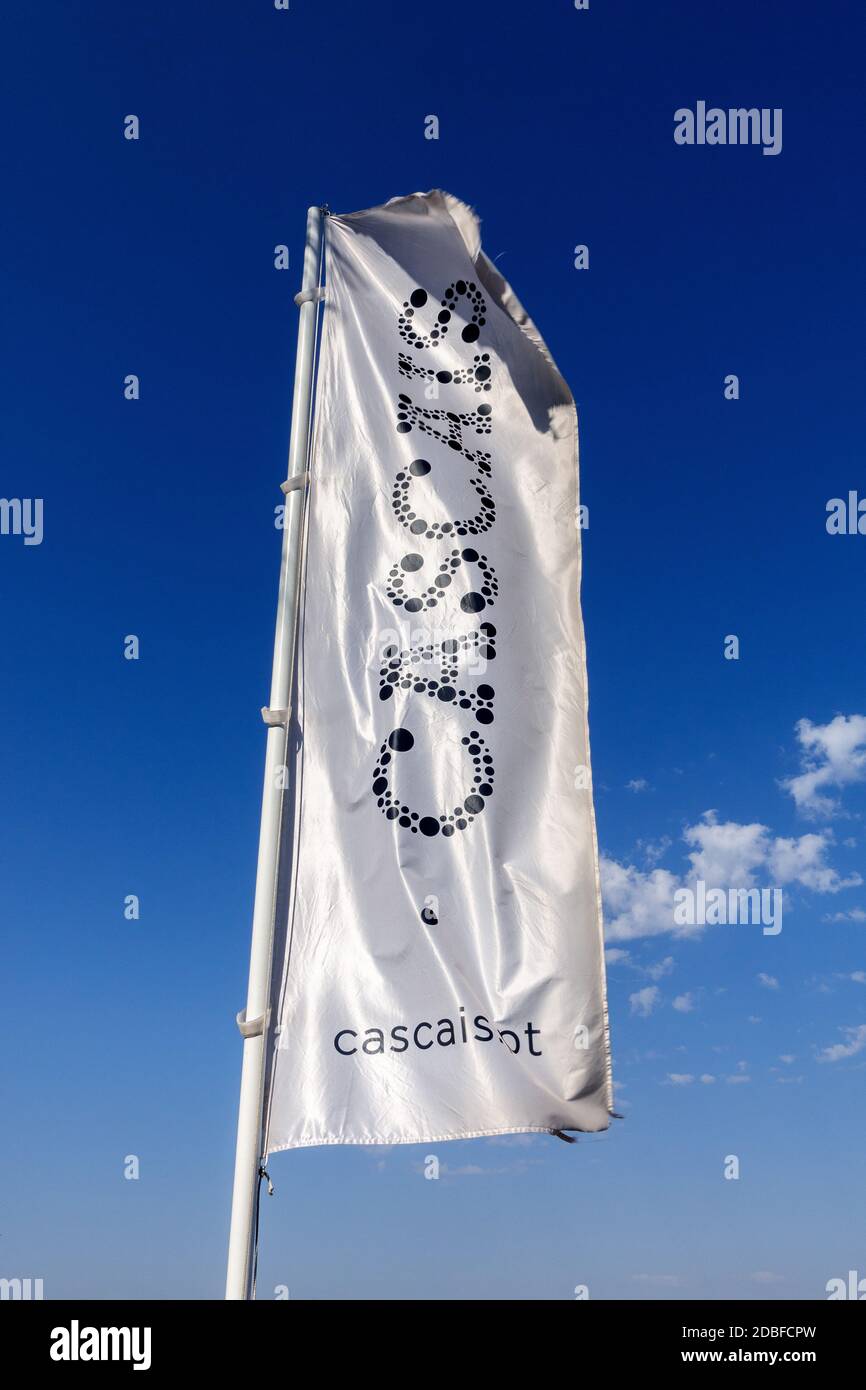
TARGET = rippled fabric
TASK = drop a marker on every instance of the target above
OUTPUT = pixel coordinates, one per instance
(440, 972)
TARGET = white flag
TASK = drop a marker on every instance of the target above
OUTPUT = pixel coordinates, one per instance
(439, 970)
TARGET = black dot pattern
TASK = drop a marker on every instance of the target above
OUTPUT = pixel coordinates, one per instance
(472, 602)
(416, 523)
(444, 822)
(446, 425)
(399, 671)
(479, 375)
(424, 323)
(441, 319)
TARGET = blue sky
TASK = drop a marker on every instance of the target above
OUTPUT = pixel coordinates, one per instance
(707, 518)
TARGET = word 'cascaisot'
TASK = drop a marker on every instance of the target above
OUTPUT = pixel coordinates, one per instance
(445, 1032)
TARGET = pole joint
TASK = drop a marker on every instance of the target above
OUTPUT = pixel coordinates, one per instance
(297, 481)
(314, 296)
(254, 1028)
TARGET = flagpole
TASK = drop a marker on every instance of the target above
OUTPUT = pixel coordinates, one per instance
(253, 1022)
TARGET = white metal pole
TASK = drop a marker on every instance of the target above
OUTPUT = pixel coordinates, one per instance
(253, 1022)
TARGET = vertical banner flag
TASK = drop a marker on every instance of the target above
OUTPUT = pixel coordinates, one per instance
(439, 972)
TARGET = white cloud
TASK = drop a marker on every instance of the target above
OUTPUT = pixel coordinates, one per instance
(858, 976)
(654, 850)
(787, 1058)
(856, 1043)
(644, 1000)
(768, 981)
(802, 861)
(706, 1079)
(637, 903)
(614, 954)
(518, 1168)
(855, 915)
(680, 1078)
(685, 1003)
(728, 855)
(737, 1080)
(661, 968)
(832, 756)
(731, 854)
(637, 784)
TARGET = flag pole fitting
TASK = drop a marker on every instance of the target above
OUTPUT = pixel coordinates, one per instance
(275, 718)
(252, 1028)
(314, 296)
(298, 481)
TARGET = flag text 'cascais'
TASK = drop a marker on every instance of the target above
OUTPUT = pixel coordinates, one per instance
(439, 973)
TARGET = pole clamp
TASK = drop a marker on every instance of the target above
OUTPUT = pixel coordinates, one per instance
(252, 1028)
(275, 718)
(310, 296)
(297, 481)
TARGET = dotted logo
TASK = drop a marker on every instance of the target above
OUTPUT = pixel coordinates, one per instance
(424, 325)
